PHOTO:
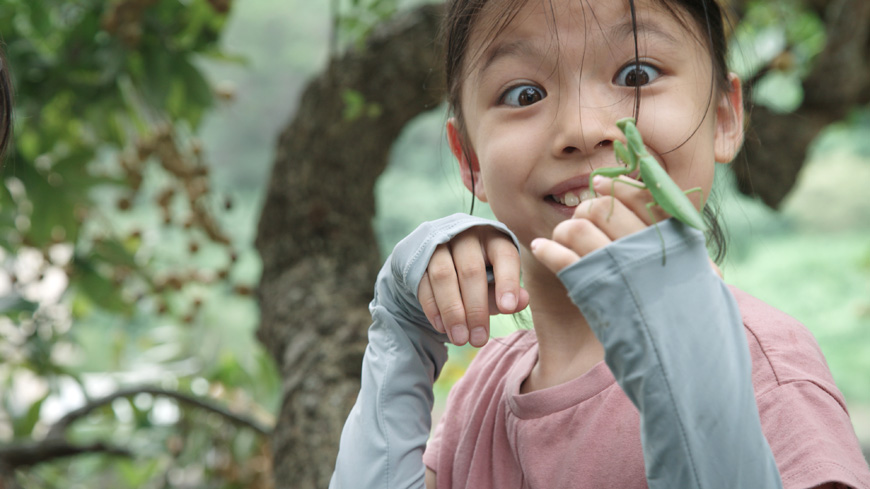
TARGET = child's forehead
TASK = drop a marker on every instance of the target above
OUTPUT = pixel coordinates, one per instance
(533, 28)
(608, 20)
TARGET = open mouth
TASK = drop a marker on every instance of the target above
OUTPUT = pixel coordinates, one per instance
(571, 198)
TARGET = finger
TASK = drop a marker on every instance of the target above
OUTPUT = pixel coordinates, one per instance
(553, 255)
(522, 302)
(505, 260)
(427, 302)
(632, 197)
(581, 236)
(448, 298)
(470, 266)
(611, 216)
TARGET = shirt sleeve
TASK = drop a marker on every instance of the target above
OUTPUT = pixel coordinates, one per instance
(812, 436)
(674, 340)
(385, 434)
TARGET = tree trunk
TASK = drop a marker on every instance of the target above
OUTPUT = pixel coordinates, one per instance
(776, 144)
(315, 236)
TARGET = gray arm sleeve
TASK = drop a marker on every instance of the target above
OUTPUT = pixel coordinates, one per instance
(674, 339)
(385, 433)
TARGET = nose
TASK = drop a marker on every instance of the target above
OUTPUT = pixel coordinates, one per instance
(581, 129)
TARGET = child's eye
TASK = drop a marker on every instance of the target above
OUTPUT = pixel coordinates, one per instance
(636, 75)
(522, 95)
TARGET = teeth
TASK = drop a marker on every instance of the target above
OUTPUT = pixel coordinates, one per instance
(571, 200)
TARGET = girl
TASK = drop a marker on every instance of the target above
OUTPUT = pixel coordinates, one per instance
(637, 373)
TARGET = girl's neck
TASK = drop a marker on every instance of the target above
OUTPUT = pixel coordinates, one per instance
(567, 348)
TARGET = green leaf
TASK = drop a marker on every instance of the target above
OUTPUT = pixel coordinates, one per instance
(190, 93)
(99, 289)
(23, 426)
(354, 105)
(13, 305)
(138, 473)
(113, 252)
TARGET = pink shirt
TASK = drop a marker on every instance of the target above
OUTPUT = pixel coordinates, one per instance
(585, 433)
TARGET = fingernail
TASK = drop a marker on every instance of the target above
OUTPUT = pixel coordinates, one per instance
(478, 336)
(459, 334)
(508, 302)
(535, 243)
(597, 180)
(439, 325)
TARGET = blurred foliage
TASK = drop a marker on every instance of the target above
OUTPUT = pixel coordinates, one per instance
(117, 265)
(778, 40)
(354, 20)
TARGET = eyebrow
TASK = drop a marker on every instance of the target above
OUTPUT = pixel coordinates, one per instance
(626, 29)
(520, 47)
(620, 32)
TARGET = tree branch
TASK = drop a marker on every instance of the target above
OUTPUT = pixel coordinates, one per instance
(776, 143)
(57, 429)
(28, 454)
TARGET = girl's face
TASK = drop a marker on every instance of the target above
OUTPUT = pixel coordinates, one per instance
(540, 102)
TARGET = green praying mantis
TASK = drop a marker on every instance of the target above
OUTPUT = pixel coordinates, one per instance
(666, 194)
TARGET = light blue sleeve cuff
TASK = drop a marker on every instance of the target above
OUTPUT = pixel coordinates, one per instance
(674, 339)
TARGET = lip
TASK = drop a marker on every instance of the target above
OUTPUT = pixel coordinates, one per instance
(576, 183)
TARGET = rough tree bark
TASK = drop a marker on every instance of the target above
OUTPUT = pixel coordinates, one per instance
(319, 252)
(315, 236)
(776, 144)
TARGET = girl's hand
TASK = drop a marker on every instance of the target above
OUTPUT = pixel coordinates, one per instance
(619, 210)
(455, 294)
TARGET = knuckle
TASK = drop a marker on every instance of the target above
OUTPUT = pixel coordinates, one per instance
(566, 230)
(440, 273)
(562, 230)
(477, 317)
(472, 270)
(453, 313)
(602, 210)
(504, 253)
(427, 302)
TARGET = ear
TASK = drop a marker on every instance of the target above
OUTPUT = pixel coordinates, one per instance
(469, 167)
(729, 122)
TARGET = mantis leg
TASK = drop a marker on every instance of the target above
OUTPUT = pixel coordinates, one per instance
(656, 224)
(697, 189)
(612, 187)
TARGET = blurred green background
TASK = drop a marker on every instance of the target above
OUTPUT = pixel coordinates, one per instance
(811, 259)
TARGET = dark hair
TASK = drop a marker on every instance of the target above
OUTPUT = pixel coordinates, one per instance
(462, 17)
(5, 106)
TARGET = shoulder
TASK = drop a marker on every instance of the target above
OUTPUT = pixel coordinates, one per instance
(803, 414)
(783, 350)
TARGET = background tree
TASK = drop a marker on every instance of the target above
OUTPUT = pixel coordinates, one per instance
(831, 68)
(315, 236)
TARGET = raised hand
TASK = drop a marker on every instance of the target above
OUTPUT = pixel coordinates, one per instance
(455, 294)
